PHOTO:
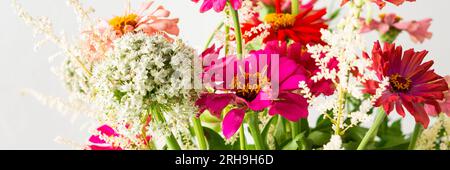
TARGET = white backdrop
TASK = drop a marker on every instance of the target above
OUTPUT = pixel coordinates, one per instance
(27, 124)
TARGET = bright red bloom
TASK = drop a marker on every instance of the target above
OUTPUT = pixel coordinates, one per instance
(285, 5)
(411, 83)
(304, 27)
(382, 3)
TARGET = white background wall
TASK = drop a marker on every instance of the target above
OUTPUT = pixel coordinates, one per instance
(26, 124)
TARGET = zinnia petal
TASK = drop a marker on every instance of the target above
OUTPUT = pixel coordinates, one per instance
(232, 122)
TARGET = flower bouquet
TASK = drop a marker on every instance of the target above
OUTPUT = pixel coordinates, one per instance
(266, 68)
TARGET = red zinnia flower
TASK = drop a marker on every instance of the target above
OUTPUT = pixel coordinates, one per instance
(411, 83)
(304, 27)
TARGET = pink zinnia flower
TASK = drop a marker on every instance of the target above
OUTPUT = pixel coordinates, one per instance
(443, 104)
(218, 5)
(97, 143)
(418, 30)
(150, 22)
(411, 83)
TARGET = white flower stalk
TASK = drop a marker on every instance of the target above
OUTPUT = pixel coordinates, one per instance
(74, 106)
(345, 45)
(82, 13)
(43, 26)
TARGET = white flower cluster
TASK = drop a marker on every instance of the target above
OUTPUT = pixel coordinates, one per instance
(142, 71)
(334, 144)
(74, 77)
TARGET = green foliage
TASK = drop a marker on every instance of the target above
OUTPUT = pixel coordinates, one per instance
(391, 137)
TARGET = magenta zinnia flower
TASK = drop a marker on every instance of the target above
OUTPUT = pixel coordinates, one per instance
(294, 66)
(411, 83)
(218, 5)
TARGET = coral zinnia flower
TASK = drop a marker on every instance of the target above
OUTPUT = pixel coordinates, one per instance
(392, 24)
(382, 3)
(218, 5)
(154, 22)
(304, 27)
(411, 83)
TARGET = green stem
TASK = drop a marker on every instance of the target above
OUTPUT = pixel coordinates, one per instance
(254, 130)
(294, 129)
(417, 131)
(372, 131)
(242, 142)
(172, 143)
(198, 129)
(237, 31)
(304, 126)
(211, 37)
(294, 7)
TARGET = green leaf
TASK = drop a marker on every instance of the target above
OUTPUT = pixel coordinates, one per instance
(118, 95)
(210, 121)
(266, 128)
(319, 138)
(280, 134)
(296, 143)
(355, 133)
(335, 14)
(391, 137)
(215, 141)
(323, 124)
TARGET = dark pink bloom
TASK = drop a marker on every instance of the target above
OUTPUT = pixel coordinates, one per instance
(218, 5)
(412, 84)
(293, 67)
(99, 144)
(237, 90)
(443, 104)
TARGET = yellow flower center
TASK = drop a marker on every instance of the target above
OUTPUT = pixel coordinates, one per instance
(399, 83)
(277, 20)
(122, 24)
(397, 18)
